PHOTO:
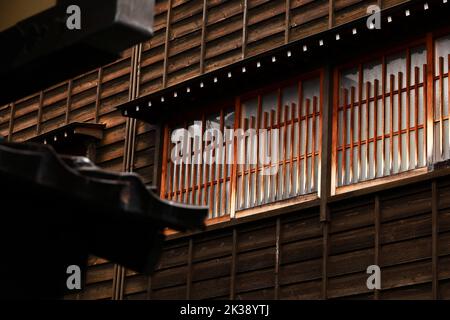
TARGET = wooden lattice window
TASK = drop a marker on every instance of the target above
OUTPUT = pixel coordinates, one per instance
(391, 113)
(380, 116)
(288, 155)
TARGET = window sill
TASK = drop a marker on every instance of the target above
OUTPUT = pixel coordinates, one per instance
(380, 181)
(275, 206)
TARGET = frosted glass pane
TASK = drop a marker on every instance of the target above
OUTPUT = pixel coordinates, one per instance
(289, 95)
(371, 72)
(349, 78)
(442, 49)
(249, 108)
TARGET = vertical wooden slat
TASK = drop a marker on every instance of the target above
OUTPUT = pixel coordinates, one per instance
(291, 169)
(323, 136)
(166, 43)
(383, 114)
(219, 156)
(408, 108)
(360, 99)
(277, 258)
(277, 174)
(334, 123)
(200, 165)
(425, 113)
(213, 166)
(11, 120)
(430, 97)
(264, 191)
(224, 167)
(98, 94)
(69, 100)
(368, 87)
(256, 196)
(399, 109)
(114, 282)
(313, 144)
(285, 142)
(287, 21)
(243, 167)
(270, 178)
(434, 231)
(176, 172)
(416, 116)
(344, 139)
(441, 107)
(330, 14)
(183, 187)
(249, 192)
(195, 168)
(299, 145)
(448, 100)
(165, 164)
(305, 156)
(203, 37)
(244, 28)
(188, 166)
(39, 115)
(326, 129)
(207, 168)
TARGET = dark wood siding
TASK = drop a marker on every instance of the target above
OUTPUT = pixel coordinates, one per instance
(283, 256)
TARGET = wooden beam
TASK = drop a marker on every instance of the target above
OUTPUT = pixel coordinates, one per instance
(11, 121)
(98, 94)
(39, 115)
(277, 259)
(166, 43)
(330, 14)
(287, 21)
(69, 100)
(244, 28)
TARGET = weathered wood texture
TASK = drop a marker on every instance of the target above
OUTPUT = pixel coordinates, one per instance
(264, 263)
(191, 38)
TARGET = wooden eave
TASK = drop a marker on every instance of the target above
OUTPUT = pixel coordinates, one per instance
(85, 131)
(335, 45)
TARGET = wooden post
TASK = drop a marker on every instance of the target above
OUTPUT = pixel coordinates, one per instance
(435, 234)
(233, 265)
(166, 45)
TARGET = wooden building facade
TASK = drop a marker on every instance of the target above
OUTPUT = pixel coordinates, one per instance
(363, 161)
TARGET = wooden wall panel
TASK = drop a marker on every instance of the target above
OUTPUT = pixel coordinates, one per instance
(99, 280)
(5, 115)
